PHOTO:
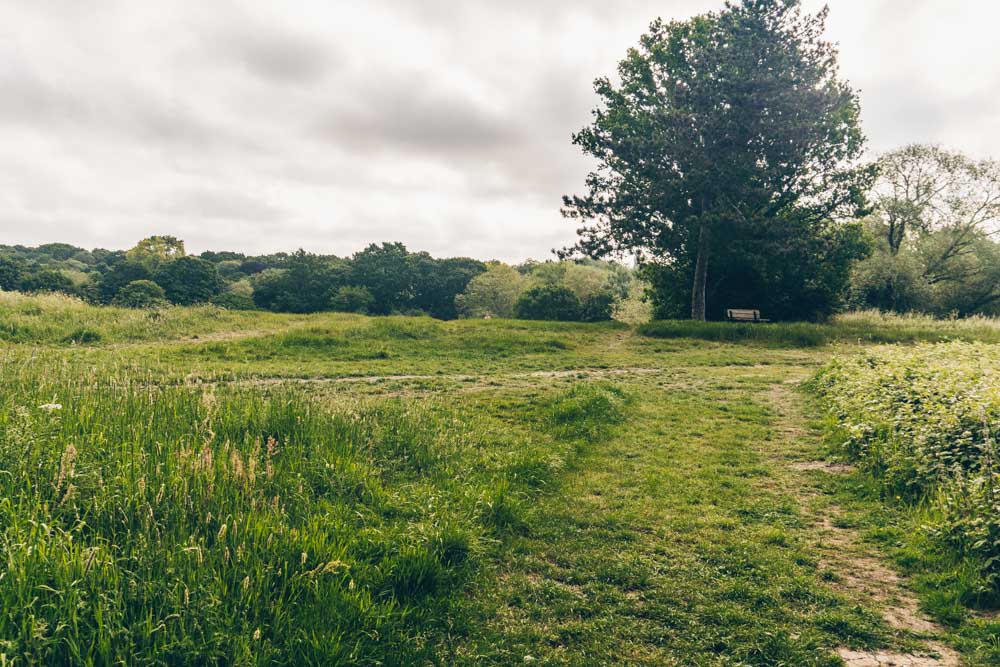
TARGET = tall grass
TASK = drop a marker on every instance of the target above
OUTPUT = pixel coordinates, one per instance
(146, 524)
(860, 327)
(57, 319)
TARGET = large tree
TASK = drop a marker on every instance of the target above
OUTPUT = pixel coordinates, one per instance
(719, 123)
(936, 223)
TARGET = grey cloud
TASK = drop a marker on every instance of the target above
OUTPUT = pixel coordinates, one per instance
(220, 204)
(263, 126)
(276, 55)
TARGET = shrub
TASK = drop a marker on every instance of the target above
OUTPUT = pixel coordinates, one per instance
(140, 294)
(597, 307)
(234, 300)
(549, 302)
(924, 423)
(351, 299)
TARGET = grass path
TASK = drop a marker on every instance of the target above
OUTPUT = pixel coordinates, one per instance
(699, 534)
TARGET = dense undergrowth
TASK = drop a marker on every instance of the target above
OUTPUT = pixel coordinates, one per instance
(923, 423)
(145, 524)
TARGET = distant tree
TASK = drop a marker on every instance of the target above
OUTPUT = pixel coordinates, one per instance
(120, 274)
(229, 269)
(719, 123)
(46, 280)
(11, 271)
(188, 280)
(351, 299)
(304, 285)
(252, 267)
(549, 303)
(385, 272)
(215, 257)
(494, 293)
(140, 294)
(156, 250)
(58, 251)
(436, 282)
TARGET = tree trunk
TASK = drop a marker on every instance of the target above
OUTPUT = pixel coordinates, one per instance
(700, 276)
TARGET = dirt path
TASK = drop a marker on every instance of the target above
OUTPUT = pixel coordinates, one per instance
(858, 569)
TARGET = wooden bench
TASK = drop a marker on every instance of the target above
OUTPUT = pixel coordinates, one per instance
(743, 315)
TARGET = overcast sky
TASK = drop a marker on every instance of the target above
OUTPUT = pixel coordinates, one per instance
(262, 126)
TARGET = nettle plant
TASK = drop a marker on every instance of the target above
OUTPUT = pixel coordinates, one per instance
(924, 422)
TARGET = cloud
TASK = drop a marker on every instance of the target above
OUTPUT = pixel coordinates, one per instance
(262, 126)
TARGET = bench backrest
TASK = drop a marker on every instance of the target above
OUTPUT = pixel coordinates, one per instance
(742, 314)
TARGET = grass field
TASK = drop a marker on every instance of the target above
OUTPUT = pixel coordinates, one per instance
(245, 488)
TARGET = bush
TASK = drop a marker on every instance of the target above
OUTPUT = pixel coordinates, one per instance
(549, 302)
(351, 299)
(233, 300)
(924, 423)
(597, 307)
(140, 294)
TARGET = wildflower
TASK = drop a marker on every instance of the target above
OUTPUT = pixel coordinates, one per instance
(256, 635)
(49, 407)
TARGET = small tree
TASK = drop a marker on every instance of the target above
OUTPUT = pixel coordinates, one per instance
(140, 294)
(549, 302)
(494, 293)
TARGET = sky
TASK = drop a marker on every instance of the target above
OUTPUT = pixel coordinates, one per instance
(262, 126)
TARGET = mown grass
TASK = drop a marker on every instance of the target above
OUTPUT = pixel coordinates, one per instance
(863, 327)
(154, 524)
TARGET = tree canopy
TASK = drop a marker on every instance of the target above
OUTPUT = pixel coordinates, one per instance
(720, 125)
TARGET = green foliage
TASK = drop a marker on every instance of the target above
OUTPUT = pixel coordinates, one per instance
(923, 423)
(156, 250)
(234, 300)
(188, 280)
(860, 327)
(711, 118)
(140, 294)
(549, 303)
(493, 293)
(119, 275)
(10, 273)
(46, 280)
(302, 285)
(350, 299)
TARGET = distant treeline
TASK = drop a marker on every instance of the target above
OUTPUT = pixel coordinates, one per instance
(382, 279)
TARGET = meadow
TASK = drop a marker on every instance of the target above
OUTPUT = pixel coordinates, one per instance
(194, 485)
